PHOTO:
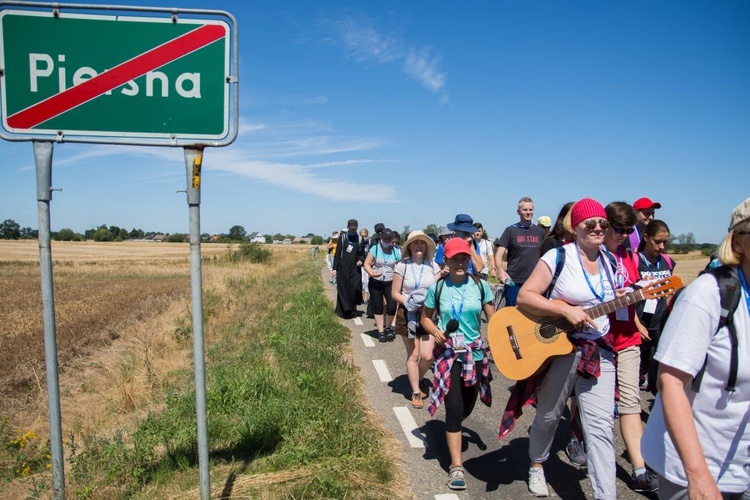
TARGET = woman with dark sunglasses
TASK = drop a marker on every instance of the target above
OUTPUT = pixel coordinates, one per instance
(585, 280)
(653, 264)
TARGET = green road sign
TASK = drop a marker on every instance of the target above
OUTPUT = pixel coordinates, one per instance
(156, 78)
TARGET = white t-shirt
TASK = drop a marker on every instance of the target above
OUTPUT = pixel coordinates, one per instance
(722, 419)
(426, 274)
(573, 288)
(485, 252)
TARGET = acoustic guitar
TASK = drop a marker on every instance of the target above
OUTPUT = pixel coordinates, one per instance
(521, 343)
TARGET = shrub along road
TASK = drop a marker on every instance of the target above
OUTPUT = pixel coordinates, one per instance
(495, 469)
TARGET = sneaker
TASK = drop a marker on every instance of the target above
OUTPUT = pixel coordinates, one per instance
(456, 480)
(424, 388)
(576, 453)
(416, 401)
(645, 483)
(382, 337)
(537, 482)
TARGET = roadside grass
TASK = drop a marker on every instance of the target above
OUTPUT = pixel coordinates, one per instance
(285, 411)
(282, 405)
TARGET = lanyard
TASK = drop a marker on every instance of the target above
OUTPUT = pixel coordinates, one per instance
(622, 275)
(648, 264)
(457, 316)
(601, 275)
(743, 280)
(414, 275)
(618, 267)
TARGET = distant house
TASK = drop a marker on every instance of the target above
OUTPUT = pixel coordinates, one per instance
(287, 241)
(214, 238)
(256, 238)
(160, 237)
(300, 239)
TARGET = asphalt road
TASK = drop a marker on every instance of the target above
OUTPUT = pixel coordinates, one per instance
(495, 469)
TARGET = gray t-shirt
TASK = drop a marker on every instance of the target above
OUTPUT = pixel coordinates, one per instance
(384, 262)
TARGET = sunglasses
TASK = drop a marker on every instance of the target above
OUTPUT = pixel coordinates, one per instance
(591, 224)
(623, 230)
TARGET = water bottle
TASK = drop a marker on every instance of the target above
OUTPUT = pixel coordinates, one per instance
(508, 281)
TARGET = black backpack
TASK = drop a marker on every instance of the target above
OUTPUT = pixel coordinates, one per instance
(730, 291)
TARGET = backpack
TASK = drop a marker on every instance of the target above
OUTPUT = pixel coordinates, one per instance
(730, 291)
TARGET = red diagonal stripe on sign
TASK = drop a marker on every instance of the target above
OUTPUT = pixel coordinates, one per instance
(109, 80)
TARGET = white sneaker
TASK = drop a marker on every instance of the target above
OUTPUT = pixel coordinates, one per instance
(537, 482)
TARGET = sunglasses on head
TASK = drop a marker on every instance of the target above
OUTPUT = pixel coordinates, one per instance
(592, 223)
(623, 230)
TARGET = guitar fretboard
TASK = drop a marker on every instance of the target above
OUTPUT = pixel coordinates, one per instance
(613, 305)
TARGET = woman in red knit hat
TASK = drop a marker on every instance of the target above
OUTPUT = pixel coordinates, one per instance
(585, 280)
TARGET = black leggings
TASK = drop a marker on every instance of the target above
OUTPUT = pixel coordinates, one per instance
(460, 400)
(378, 290)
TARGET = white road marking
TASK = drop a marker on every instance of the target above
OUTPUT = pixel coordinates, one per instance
(409, 425)
(367, 340)
(446, 496)
(358, 321)
(382, 369)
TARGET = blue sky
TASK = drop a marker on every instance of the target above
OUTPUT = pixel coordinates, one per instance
(408, 113)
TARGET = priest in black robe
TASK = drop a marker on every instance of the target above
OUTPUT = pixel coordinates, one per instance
(347, 263)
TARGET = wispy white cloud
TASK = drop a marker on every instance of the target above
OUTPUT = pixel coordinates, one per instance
(282, 154)
(362, 41)
(303, 178)
(249, 128)
(423, 66)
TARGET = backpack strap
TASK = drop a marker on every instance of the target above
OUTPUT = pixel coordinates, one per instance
(669, 261)
(439, 289)
(559, 264)
(730, 291)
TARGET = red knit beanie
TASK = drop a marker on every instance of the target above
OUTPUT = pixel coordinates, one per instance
(586, 208)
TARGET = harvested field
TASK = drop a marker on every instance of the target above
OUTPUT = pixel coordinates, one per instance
(103, 291)
(81, 251)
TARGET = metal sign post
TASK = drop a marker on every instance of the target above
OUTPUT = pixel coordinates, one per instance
(163, 77)
(193, 163)
(43, 160)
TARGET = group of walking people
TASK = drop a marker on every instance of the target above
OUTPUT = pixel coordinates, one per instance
(696, 445)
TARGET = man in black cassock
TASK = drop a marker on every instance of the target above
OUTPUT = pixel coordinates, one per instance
(347, 264)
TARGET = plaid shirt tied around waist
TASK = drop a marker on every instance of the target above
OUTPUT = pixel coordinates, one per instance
(445, 356)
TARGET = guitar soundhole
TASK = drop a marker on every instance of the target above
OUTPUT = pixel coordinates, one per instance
(548, 331)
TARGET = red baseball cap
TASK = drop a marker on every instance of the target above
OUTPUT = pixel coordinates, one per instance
(455, 246)
(645, 204)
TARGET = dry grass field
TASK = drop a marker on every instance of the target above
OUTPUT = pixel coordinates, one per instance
(123, 329)
(101, 291)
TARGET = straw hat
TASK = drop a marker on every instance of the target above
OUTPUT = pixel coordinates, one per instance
(414, 236)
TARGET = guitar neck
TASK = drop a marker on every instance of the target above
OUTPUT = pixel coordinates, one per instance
(613, 305)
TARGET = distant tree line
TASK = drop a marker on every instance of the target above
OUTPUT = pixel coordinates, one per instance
(11, 230)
